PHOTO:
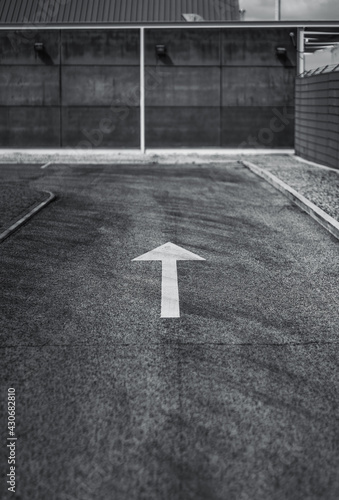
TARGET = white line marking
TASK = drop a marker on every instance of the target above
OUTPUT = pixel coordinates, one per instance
(169, 290)
(169, 254)
(47, 164)
(26, 217)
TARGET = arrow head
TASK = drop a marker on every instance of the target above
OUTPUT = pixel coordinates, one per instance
(169, 251)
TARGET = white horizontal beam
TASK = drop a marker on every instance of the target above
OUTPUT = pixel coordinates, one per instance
(321, 33)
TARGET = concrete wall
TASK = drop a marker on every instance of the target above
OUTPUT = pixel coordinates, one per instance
(213, 88)
(219, 88)
(29, 90)
(100, 88)
(317, 118)
(82, 91)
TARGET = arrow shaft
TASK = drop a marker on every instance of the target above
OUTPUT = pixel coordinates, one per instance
(169, 290)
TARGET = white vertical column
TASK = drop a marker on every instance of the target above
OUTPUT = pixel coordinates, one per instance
(301, 50)
(142, 90)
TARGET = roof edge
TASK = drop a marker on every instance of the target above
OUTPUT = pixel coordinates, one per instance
(181, 24)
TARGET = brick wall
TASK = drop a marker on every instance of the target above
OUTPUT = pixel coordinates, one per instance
(317, 118)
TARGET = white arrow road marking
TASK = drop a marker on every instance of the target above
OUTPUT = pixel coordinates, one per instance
(169, 290)
(169, 254)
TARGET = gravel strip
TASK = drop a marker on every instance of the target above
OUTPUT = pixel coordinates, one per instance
(321, 186)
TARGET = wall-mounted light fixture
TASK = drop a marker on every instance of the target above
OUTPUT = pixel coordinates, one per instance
(292, 35)
(281, 51)
(161, 49)
(39, 47)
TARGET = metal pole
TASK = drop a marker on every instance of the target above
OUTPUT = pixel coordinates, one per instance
(277, 10)
(301, 50)
(142, 90)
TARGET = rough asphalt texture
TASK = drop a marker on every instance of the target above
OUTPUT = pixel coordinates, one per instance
(319, 185)
(237, 399)
(16, 197)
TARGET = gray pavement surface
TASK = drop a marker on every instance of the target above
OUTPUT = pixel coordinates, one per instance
(16, 196)
(236, 399)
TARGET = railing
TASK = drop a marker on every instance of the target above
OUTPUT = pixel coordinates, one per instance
(330, 68)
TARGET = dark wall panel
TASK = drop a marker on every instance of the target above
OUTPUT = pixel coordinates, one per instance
(242, 86)
(257, 127)
(94, 127)
(29, 86)
(17, 47)
(237, 71)
(192, 86)
(180, 127)
(29, 89)
(258, 88)
(29, 127)
(101, 47)
(100, 85)
(191, 47)
(257, 47)
(101, 88)
(183, 100)
(212, 88)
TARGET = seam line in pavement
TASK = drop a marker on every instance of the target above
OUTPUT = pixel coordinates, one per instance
(298, 199)
(14, 227)
(178, 344)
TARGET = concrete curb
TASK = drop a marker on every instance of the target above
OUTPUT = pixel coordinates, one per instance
(314, 164)
(104, 156)
(14, 227)
(315, 212)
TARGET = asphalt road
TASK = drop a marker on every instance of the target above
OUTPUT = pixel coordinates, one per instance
(235, 400)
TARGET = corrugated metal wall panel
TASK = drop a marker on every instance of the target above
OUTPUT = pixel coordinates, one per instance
(134, 12)
(21, 11)
(91, 12)
(16, 11)
(128, 11)
(74, 13)
(8, 11)
(143, 13)
(109, 11)
(56, 9)
(95, 10)
(87, 11)
(200, 5)
(100, 11)
(156, 11)
(82, 12)
(32, 12)
(62, 9)
(123, 12)
(67, 10)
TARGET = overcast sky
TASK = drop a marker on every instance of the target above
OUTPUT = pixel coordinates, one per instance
(291, 9)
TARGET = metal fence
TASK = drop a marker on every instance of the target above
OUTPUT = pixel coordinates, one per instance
(329, 68)
(317, 115)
